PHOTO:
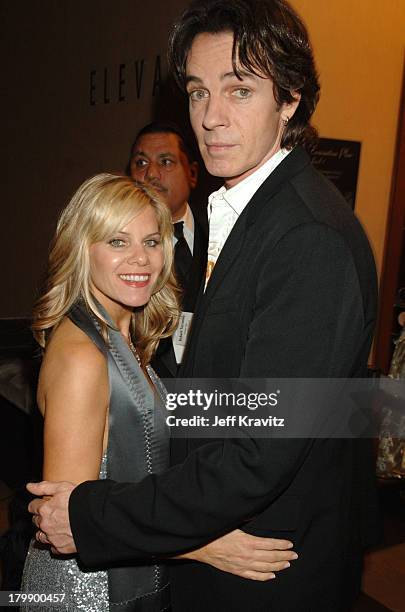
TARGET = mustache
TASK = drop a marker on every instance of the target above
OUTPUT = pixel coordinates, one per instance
(157, 185)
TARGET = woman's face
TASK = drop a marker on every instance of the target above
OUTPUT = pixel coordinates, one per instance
(124, 268)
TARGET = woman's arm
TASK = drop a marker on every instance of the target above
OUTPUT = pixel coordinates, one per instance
(73, 396)
(245, 555)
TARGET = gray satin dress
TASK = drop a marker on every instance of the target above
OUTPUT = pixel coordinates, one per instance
(138, 444)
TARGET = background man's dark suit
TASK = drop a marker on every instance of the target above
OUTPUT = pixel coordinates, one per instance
(293, 294)
(162, 157)
(164, 361)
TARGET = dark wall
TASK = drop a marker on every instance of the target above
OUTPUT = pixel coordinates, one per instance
(66, 116)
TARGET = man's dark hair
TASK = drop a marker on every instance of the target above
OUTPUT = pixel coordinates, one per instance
(269, 39)
(167, 127)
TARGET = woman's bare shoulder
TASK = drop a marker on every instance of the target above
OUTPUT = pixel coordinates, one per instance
(73, 396)
(69, 341)
(70, 352)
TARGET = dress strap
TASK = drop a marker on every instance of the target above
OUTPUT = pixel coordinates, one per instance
(80, 316)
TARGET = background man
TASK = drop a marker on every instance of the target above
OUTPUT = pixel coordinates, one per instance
(162, 158)
(292, 293)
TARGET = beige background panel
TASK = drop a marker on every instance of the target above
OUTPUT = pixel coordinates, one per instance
(360, 48)
(53, 138)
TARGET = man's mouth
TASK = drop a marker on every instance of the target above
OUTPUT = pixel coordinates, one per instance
(218, 147)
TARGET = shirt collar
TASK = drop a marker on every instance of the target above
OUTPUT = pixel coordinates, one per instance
(238, 197)
(188, 219)
(188, 228)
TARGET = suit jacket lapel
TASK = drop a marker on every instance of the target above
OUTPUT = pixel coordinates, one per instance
(197, 271)
(228, 254)
(290, 166)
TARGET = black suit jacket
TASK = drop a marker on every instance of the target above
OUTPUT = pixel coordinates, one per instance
(164, 361)
(293, 294)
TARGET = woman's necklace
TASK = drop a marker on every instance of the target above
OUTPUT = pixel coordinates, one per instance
(136, 355)
(134, 351)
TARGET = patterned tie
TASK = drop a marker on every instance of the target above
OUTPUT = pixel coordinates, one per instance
(182, 254)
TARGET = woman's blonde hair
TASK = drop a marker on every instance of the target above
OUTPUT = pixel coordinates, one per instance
(103, 205)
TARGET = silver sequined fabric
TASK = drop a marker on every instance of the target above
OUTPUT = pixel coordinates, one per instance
(46, 573)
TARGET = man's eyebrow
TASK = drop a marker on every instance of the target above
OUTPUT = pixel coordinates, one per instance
(162, 154)
(240, 75)
(193, 78)
(139, 152)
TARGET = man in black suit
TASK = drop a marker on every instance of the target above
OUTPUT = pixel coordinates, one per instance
(162, 158)
(291, 293)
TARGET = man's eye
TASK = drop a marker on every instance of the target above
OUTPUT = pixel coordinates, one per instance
(198, 94)
(242, 92)
(116, 242)
(167, 162)
(141, 163)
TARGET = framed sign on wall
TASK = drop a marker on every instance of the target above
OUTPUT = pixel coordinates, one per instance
(339, 161)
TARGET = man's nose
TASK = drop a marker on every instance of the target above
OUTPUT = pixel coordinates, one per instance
(215, 114)
(153, 171)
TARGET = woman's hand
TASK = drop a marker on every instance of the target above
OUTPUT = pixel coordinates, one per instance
(245, 555)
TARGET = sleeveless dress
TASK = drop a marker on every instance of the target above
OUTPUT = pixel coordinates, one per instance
(138, 444)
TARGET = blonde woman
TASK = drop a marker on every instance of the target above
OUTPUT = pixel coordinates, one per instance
(110, 297)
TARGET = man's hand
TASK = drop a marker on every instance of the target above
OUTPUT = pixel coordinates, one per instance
(245, 555)
(51, 516)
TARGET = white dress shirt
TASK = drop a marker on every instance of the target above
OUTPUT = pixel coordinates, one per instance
(225, 206)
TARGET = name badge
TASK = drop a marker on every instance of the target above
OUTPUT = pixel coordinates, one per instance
(180, 335)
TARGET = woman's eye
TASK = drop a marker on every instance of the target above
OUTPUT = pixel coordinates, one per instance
(152, 242)
(116, 242)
